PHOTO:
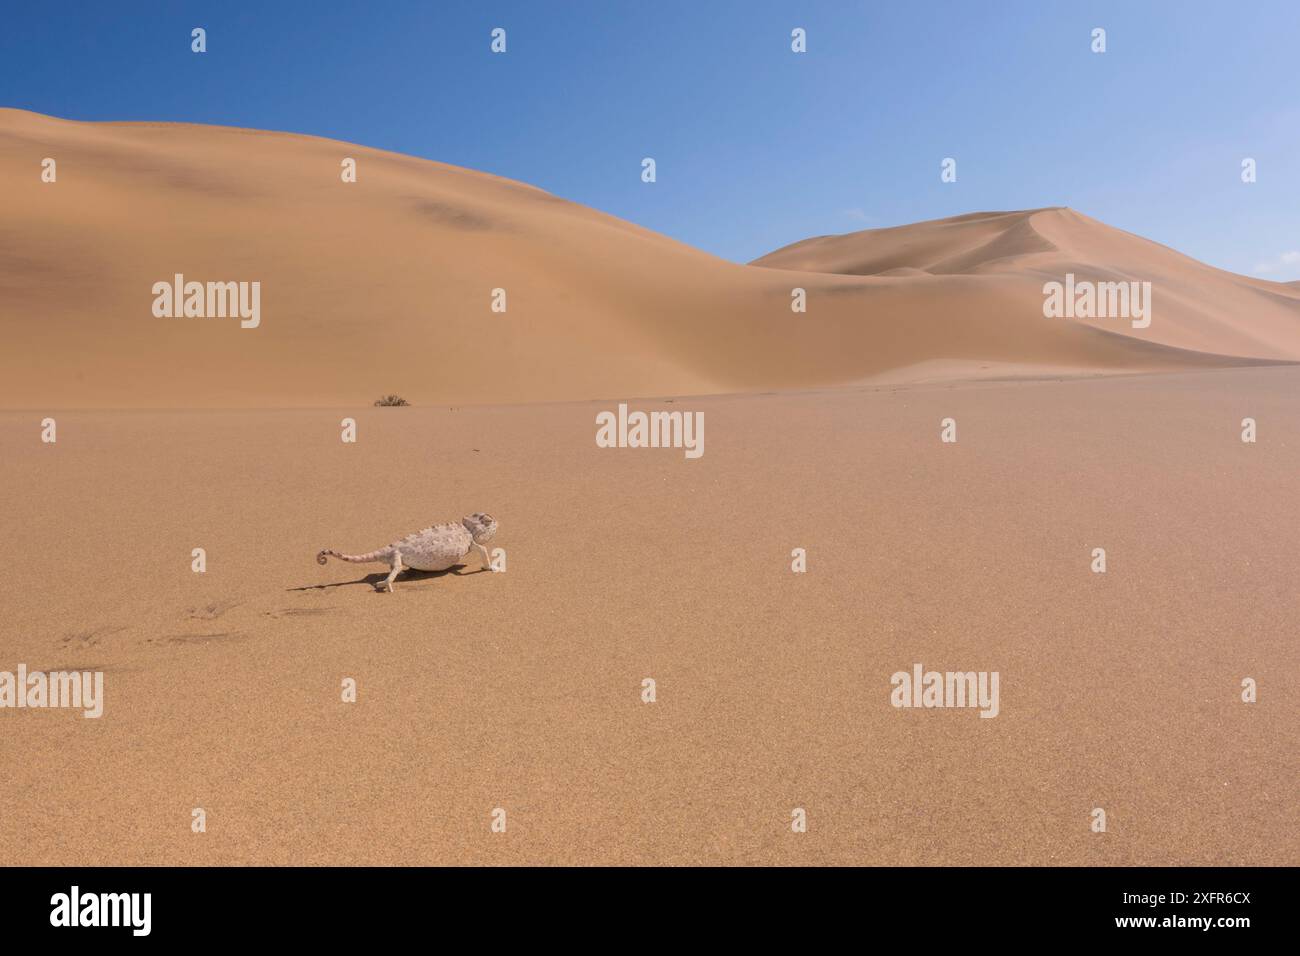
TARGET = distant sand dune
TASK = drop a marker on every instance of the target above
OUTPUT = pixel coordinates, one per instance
(384, 286)
(1196, 307)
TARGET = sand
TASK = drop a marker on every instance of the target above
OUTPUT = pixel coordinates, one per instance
(386, 285)
(522, 690)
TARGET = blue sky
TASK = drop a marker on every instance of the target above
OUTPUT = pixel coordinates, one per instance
(755, 146)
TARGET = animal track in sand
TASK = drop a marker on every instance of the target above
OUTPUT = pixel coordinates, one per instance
(200, 639)
(299, 611)
(91, 638)
(212, 611)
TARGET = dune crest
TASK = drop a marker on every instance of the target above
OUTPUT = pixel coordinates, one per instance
(386, 285)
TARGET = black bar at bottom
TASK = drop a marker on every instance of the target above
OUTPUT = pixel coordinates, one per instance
(338, 905)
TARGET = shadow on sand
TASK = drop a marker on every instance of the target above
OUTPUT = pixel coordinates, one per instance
(407, 576)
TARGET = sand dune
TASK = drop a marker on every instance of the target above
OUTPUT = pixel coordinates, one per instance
(1195, 306)
(385, 285)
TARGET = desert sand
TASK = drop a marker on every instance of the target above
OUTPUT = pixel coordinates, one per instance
(522, 690)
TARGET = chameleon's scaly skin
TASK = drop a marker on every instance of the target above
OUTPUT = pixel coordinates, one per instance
(433, 549)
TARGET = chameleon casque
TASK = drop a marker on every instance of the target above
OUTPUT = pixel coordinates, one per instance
(433, 549)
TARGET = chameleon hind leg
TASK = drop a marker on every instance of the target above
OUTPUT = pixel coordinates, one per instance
(394, 571)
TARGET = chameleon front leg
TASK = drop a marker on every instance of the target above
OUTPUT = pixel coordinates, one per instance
(396, 569)
(482, 553)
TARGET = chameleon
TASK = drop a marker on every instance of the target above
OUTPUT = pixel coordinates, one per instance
(436, 548)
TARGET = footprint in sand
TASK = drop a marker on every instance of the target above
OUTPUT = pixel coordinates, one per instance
(212, 611)
(220, 637)
(91, 638)
(299, 611)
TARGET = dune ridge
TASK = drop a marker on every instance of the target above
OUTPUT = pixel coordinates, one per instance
(386, 286)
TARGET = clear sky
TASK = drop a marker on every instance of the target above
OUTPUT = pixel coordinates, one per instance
(756, 146)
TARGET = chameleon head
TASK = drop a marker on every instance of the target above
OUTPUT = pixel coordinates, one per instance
(481, 526)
